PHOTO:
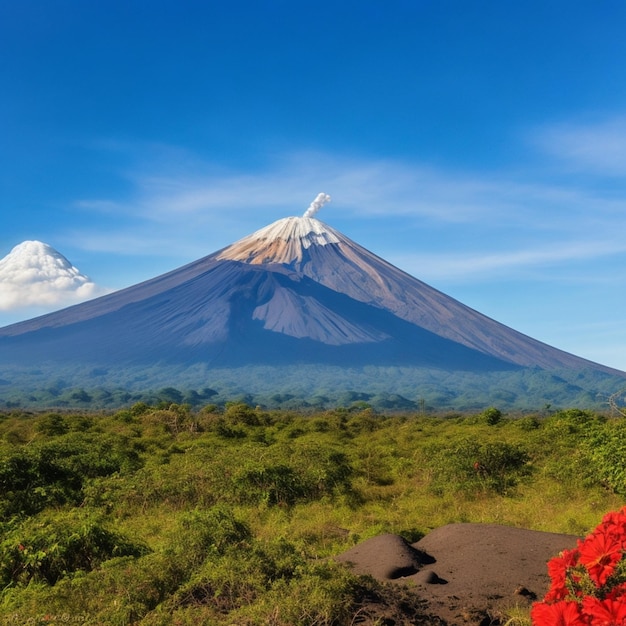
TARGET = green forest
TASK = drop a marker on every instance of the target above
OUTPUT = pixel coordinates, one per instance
(311, 387)
(230, 514)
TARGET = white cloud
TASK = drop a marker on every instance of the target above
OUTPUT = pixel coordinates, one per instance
(363, 187)
(367, 187)
(459, 223)
(596, 148)
(486, 265)
(33, 274)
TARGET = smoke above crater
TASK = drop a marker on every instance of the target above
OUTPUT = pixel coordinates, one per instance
(320, 200)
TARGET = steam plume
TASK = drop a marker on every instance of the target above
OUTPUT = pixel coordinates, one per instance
(320, 200)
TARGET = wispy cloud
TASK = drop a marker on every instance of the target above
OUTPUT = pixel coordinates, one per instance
(597, 148)
(487, 265)
(464, 223)
(365, 187)
(374, 187)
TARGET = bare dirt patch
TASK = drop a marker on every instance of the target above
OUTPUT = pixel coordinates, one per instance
(465, 574)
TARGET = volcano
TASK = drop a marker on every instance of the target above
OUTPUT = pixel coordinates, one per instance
(296, 293)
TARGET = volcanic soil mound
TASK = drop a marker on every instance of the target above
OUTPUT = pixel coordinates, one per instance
(466, 573)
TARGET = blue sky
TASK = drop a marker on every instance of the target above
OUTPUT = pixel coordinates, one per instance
(480, 146)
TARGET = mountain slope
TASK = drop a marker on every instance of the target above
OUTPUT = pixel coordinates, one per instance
(316, 250)
(295, 292)
(233, 314)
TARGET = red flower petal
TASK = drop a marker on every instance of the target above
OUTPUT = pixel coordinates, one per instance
(605, 612)
(618, 593)
(559, 614)
(599, 553)
(557, 569)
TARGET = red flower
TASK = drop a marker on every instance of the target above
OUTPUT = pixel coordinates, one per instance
(591, 575)
(615, 518)
(618, 593)
(599, 553)
(557, 568)
(559, 614)
(614, 523)
(556, 592)
(605, 612)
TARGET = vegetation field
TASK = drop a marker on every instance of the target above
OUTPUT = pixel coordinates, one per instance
(312, 386)
(222, 515)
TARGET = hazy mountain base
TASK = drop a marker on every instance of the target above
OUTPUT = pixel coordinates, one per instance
(316, 386)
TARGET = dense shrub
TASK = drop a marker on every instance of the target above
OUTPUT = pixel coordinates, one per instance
(52, 424)
(54, 471)
(321, 594)
(215, 530)
(48, 548)
(491, 416)
(572, 421)
(241, 413)
(606, 451)
(471, 465)
(290, 474)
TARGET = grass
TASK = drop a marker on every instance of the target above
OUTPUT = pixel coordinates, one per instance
(228, 515)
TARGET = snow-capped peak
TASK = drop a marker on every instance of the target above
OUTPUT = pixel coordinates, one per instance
(281, 242)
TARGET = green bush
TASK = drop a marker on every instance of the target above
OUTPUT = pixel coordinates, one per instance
(47, 548)
(287, 474)
(241, 413)
(572, 421)
(54, 471)
(605, 449)
(270, 484)
(491, 416)
(528, 423)
(215, 530)
(471, 465)
(51, 425)
(236, 579)
(319, 594)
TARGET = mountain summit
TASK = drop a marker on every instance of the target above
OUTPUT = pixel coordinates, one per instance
(315, 250)
(293, 294)
(285, 241)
